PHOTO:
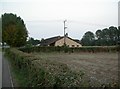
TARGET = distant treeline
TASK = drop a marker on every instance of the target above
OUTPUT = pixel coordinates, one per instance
(105, 37)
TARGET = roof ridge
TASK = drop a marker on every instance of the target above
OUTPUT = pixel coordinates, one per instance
(52, 37)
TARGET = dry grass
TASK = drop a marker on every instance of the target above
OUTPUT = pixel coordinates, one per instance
(99, 68)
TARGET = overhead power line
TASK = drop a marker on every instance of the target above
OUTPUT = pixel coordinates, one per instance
(87, 23)
(69, 21)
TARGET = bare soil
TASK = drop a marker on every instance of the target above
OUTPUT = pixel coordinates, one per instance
(99, 68)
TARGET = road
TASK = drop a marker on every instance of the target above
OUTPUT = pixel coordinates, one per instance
(6, 75)
(0, 70)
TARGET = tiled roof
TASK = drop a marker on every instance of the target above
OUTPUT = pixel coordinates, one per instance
(51, 40)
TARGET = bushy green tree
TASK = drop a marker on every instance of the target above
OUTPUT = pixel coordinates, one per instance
(98, 34)
(113, 35)
(88, 39)
(107, 36)
(118, 35)
(32, 41)
(14, 32)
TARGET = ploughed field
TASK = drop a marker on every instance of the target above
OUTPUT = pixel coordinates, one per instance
(98, 68)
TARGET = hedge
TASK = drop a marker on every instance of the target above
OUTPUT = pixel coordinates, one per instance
(43, 73)
(92, 49)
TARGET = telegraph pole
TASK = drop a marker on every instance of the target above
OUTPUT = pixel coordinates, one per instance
(65, 27)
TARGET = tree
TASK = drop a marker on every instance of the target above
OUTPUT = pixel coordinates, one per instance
(105, 37)
(99, 37)
(31, 41)
(113, 35)
(118, 35)
(14, 32)
(88, 39)
(108, 36)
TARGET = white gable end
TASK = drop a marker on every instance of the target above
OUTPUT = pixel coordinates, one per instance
(68, 42)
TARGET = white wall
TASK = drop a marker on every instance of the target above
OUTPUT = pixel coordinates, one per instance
(68, 42)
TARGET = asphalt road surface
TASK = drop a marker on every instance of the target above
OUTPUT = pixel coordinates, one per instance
(6, 75)
(0, 70)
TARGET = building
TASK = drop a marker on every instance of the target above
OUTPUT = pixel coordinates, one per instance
(60, 41)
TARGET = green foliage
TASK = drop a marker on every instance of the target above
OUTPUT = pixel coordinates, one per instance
(88, 39)
(31, 41)
(71, 50)
(14, 32)
(118, 34)
(36, 72)
(105, 37)
(43, 73)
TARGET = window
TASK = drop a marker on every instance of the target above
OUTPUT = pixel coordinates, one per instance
(77, 45)
(73, 45)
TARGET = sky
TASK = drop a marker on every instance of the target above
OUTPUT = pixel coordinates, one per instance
(44, 18)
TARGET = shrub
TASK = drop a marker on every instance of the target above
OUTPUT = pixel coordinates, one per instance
(71, 50)
(43, 73)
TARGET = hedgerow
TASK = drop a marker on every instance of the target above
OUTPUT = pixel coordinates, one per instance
(38, 72)
(71, 50)
(43, 73)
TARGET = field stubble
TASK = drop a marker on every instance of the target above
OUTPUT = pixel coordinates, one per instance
(99, 68)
